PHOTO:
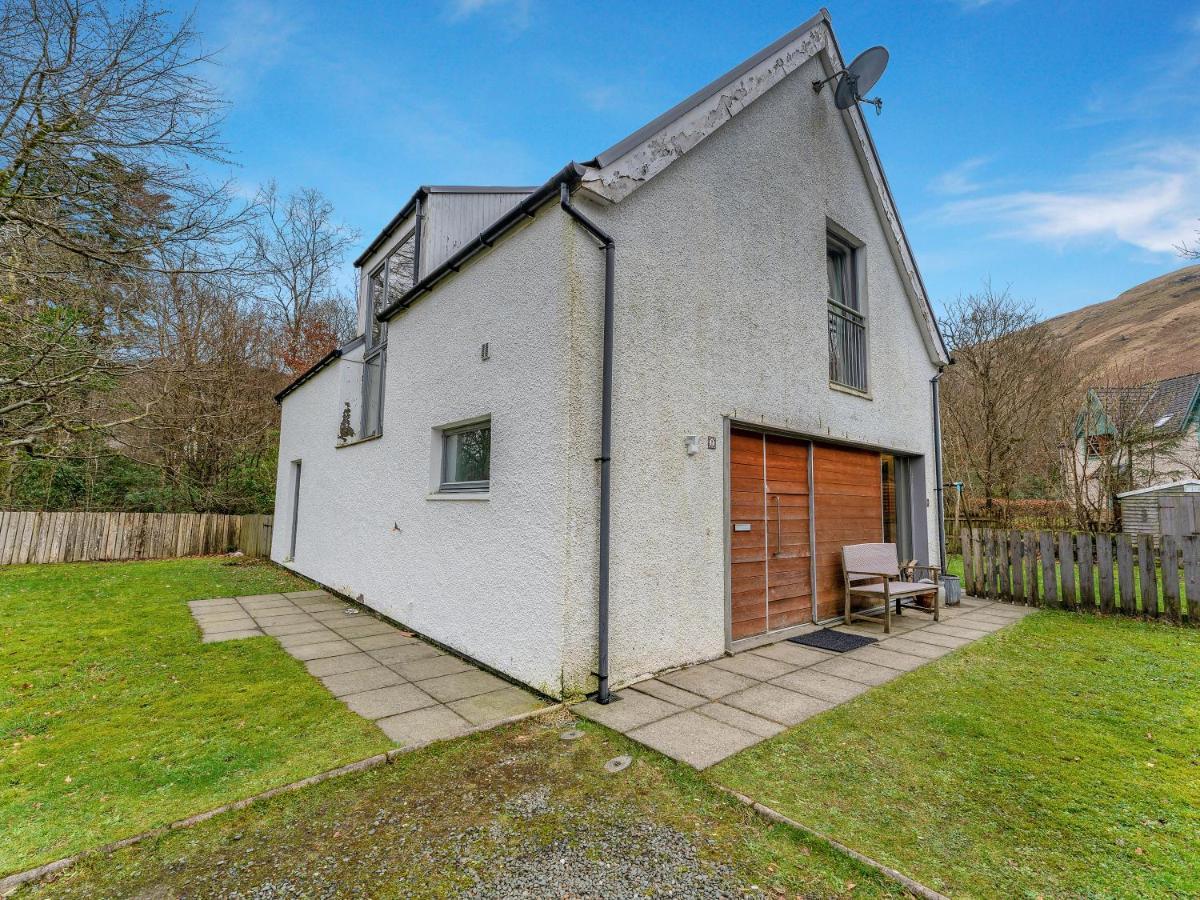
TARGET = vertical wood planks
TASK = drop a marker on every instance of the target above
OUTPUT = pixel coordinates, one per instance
(1148, 576)
(1104, 562)
(1191, 577)
(1128, 604)
(1003, 591)
(1066, 562)
(968, 562)
(1049, 574)
(1031, 572)
(1087, 584)
(1169, 545)
(1016, 551)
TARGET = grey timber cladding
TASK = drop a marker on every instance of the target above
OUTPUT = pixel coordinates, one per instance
(453, 219)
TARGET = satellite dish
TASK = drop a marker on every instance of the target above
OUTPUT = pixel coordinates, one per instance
(857, 78)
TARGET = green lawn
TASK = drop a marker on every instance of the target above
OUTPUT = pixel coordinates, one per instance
(1058, 757)
(511, 812)
(114, 717)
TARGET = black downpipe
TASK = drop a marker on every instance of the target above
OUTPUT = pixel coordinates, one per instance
(935, 385)
(610, 268)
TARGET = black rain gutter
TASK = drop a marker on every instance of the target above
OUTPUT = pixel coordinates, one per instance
(935, 387)
(609, 246)
(570, 175)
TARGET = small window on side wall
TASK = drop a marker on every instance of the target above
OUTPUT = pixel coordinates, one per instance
(467, 457)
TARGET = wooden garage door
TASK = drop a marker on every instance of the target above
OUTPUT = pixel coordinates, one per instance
(848, 510)
(770, 578)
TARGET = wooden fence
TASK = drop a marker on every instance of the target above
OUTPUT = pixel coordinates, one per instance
(1104, 573)
(47, 537)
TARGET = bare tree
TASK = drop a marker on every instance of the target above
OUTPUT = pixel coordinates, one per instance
(298, 248)
(1002, 397)
(102, 115)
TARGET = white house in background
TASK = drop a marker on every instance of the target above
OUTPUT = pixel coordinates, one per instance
(772, 396)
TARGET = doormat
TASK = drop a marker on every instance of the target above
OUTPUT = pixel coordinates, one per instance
(837, 641)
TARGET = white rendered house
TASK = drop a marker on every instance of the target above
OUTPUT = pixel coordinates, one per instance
(462, 469)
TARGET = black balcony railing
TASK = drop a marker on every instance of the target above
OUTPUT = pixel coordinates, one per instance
(847, 347)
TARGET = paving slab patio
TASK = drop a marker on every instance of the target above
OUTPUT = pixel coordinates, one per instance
(702, 714)
(414, 692)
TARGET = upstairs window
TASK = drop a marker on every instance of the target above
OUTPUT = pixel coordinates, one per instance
(467, 457)
(847, 324)
(390, 281)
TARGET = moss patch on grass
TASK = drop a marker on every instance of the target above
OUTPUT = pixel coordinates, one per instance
(114, 718)
(495, 814)
(1058, 757)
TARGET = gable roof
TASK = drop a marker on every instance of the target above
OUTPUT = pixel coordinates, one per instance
(1187, 484)
(631, 162)
(1167, 405)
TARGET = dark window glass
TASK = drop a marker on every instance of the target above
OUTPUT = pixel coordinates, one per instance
(466, 458)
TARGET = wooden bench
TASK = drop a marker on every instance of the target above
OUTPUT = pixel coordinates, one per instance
(873, 571)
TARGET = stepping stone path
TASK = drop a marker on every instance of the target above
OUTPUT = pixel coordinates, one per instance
(415, 692)
(702, 714)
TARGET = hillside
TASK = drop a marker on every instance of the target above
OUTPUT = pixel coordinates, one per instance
(1154, 326)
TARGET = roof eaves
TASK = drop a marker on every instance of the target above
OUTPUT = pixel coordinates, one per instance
(316, 367)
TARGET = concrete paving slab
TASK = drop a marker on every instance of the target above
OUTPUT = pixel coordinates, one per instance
(770, 701)
(432, 667)
(793, 654)
(347, 614)
(707, 681)
(740, 719)
(360, 627)
(432, 723)
(293, 618)
(324, 648)
(315, 635)
(857, 670)
(388, 701)
(261, 598)
(226, 623)
(901, 662)
(298, 628)
(406, 653)
(383, 641)
(754, 665)
(913, 648)
(494, 706)
(697, 740)
(668, 692)
(362, 680)
(316, 606)
(822, 685)
(203, 607)
(308, 595)
(464, 684)
(218, 636)
(336, 665)
(628, 710)
(941, 640)
(956, 631)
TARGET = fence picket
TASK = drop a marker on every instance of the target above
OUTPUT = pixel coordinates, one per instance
(1066, 565)
(1169, 546)
(1148, 576)
(1191, 577)
(1087, 583)
(1104, 563)
(1003, 583)
(1016, 555)
(1031, 574)
(1128, 605)
(1049, 578)
(968, 562)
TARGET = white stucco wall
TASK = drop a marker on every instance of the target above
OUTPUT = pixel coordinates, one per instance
(485, 577)
(721, 297)
(721, 314)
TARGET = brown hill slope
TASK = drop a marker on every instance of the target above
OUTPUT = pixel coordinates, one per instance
(1154, 327)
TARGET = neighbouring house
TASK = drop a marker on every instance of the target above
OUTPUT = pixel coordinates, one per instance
(1129, 438)
(626, 420)
(1170, 508)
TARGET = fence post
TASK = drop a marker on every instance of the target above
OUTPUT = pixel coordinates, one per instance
(1087, 584)
(1003, 589)
(1148, 576)
(1031, 575)
(1170, 577)
(968, 563)
(1016, 555)
(1128, 605)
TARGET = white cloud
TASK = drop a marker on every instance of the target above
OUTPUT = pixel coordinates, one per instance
(515, 13)
(254, 37)
(960, 179)
(1148, 199)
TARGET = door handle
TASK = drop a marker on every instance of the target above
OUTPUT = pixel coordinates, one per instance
(778, 529)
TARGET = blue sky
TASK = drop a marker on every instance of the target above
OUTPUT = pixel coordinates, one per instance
(1050, 146)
